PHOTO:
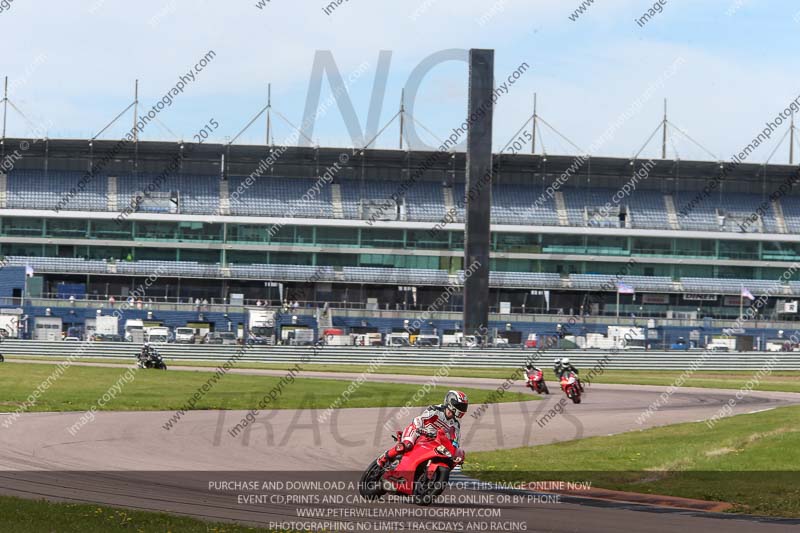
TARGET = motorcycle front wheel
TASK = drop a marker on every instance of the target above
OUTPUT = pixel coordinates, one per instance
(370, 486)
(426, 490)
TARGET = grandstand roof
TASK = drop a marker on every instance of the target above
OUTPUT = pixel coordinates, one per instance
(74, 154)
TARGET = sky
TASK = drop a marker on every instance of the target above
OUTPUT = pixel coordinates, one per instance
(725, 66)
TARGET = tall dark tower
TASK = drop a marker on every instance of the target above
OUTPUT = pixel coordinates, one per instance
(478, 192)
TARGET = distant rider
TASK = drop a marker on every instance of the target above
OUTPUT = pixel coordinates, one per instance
(445, 416)
(557, 367)
(564, 367)
(530, 372)
(146, 353)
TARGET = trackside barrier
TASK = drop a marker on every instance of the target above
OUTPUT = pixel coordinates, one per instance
(332, 355)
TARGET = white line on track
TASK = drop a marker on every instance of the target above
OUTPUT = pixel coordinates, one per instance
(761, 410)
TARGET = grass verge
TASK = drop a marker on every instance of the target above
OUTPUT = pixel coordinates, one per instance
(39, 516)
(80, 387)
(751, 461)
(782, 381)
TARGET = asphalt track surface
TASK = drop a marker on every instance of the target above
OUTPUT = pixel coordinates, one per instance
(128, 459)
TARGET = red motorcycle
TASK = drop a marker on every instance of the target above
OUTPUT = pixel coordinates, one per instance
(536, 381)
(571, 387)
(422, 472)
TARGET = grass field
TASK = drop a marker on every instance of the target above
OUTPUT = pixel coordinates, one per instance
(80, 387)
(785, 381)
(751, 461)
(36, 516)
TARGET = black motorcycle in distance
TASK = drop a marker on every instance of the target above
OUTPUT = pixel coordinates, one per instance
(152, 360)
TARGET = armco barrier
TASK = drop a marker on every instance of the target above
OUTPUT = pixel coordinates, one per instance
(489, 358)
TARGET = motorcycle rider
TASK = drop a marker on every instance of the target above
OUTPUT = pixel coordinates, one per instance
(557, 367)
(445, 416)
(563, 367)
(145, 354)
(530, 372)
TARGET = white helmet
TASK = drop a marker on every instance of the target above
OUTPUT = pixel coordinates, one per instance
(565, 361)
(556, 361)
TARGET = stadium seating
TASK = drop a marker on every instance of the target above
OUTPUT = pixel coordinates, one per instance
(516, 204)
(29, 189)
(422, 201)
(731, 286)
(281, 197)
(196, 194)
(59, 264)
(525, 280)
(400, 276)
(639, 283)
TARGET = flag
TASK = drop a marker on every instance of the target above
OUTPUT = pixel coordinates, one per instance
(625, 289)
(28, 271)
(747, 294)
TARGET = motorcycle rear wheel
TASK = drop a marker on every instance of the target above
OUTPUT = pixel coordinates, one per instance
(369, 486)
(2, 358)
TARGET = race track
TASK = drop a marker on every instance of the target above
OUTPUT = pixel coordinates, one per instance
(130, 459)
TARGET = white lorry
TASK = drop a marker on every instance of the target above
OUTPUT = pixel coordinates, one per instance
(367, 339)
(261, 326)
(397, 339)
(106, 325)
(185, 335)
(297, 336)
(134, 330)
(9, 326)
(157, 335)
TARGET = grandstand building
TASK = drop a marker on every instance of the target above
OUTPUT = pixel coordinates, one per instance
(383, 230)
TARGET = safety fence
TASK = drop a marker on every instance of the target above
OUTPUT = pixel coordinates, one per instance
(487, 358)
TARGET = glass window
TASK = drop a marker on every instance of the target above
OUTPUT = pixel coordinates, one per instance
(248, 233)
(157, 231)
(23, 226)
(66, 228)
(291, 234)
(337, 236)
(382, 238)
(199, 231)
(651, 246)
(427, 240)
(705, 248)
(111, 229)
(517, 242)
(738, 250)
(246, 257)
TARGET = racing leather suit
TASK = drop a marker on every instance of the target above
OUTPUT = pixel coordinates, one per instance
(145, 354)
(433, 418)
(569, 368)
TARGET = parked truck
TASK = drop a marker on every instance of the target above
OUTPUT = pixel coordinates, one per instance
(185, 335)
(9, 326)
(134, 330)
(106, 325)
(299, 336)
(157, 335)
(261, 326)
